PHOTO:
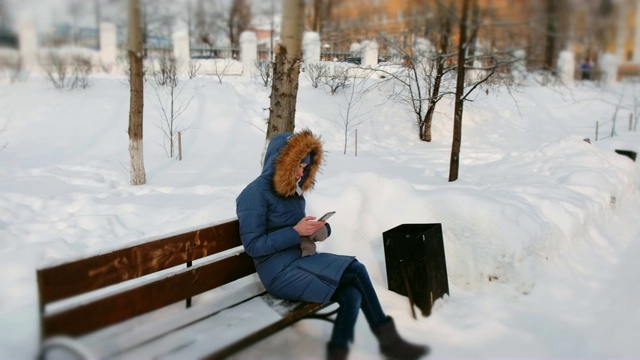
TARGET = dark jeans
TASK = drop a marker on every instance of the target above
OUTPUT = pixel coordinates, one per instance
(355, 292)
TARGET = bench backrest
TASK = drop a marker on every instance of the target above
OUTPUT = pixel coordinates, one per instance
(106, 270)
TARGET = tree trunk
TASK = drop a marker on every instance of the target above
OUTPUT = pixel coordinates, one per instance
(433, 100)
(136, 102)
(445, 33)
(96, 5)
(286, 70)
(321, 13)
(317, 15)
(550, 41)
(454, 164)
(475, 23)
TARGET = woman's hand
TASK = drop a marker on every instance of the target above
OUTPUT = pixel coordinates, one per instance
(308, 226)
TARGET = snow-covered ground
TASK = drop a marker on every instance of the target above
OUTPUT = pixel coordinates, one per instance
(541, 229)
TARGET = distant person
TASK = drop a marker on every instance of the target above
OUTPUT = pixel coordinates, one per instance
(279, 236)
(585, 68)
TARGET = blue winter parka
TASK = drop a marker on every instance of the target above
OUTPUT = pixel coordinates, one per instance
(268, 209)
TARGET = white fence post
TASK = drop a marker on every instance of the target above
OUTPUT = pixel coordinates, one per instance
(181, 51)
(355, 49)
(311, 47)
(636, 36)
(108, 45)
(370, 54)
(566, 67)
(609, 69)
(519, 66)
(249, 52)
(28, 38)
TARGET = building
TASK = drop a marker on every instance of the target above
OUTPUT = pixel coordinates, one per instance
(588, 27)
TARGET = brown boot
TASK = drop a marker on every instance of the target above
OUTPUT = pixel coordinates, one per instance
(393, 346)
(336, 353)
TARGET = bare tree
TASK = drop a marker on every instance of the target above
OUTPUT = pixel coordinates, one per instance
(336, 78)
(429, 67)
(441, 69)
(194, 67)
(548, 31)
(167, 72)
(320, 15)
(549, 49)
(203, 27)
(220, 67)
(351, 112)
(56, 68)
(454, 163)
(264, 14)
(265, 71)
(315, 71)
(158, 19)
(485, 63)
(170, 105)
(622, 98)
(614, 117)
(419, 82)
(67, 70)
(136, 101)
(238, 20)
(96, 12)
(81, 68)
(286, 70)
(216, 20)
(604, 19)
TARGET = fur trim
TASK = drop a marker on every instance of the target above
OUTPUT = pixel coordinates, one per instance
(297, 147)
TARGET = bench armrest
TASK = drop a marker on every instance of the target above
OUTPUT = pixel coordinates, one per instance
(64, 342)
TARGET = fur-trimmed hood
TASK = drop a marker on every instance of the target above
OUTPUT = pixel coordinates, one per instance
(283, 156)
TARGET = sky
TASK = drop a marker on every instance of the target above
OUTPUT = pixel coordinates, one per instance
(540, 230)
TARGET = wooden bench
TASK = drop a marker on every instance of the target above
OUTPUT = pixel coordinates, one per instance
(189, 295)
(628, 71)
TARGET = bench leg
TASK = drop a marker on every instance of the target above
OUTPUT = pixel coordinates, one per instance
(324, 316)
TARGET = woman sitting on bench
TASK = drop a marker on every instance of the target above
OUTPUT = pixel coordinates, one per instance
(278, 235)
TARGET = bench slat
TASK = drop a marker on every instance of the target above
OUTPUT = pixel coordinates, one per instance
(206, 335)
(78, 277)
(217, 336)
(295, 314)
(130, 334)
(145, 298)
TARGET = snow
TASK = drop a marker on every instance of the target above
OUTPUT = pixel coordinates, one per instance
(540, 229)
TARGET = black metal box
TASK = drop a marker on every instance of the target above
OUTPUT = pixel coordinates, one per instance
(630, 154)
(415, 262)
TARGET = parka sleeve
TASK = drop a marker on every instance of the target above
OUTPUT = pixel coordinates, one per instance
(251, 209)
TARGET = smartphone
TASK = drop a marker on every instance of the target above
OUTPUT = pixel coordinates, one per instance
(326, 216)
